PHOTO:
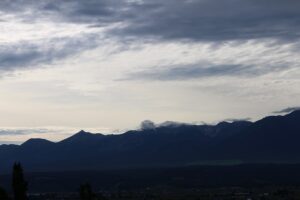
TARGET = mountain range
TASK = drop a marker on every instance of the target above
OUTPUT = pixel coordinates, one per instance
(271, 139)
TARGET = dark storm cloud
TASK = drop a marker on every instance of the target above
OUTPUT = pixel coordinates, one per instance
(26, 55)
(197, 20)
(198, 71)
(214, 20)
(75, 11)
(177, 20)
(287, 110)
(99, 12)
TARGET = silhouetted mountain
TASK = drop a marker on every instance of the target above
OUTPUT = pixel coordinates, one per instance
(82, 138)
(37, 143)
(272, 139)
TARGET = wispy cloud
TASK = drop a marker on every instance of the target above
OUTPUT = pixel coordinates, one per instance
(197, 21)
(199, 71)
(288, 110)
(29, 54)
(25, 131)
(237, 120)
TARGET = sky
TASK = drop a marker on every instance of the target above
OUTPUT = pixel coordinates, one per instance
(106, 65)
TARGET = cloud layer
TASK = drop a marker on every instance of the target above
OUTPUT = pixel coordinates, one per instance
(179, 60)
(183, 72)
(206, 20)
(287, 110)
(28, 55)
(213, 20)
(171, 20)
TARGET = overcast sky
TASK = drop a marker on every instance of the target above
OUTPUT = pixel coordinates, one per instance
(107, 65)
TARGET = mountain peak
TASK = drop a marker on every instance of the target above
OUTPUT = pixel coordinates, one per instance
(82, 136)
(36, 141)
(81, 132)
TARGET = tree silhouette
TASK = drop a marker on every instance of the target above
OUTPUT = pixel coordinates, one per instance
(18, 183)
(3, 194)
(86, 192)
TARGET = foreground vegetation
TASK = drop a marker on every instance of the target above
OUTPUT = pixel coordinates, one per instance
(20, 190)
(166, 193)
(255, 182)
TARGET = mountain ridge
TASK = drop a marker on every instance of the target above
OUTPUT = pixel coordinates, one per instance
(271, 139)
